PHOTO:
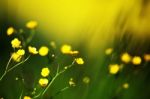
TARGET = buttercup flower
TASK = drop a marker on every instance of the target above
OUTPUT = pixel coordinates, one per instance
(31, 24)
(26, 97)
(125, 86)
(136, 60)
(16, 43)
(79, 61)
(108, 51)
(10, 31)
(114, 68)
(32, 50)
(71, 82)
(21, 52)
(66, 49)
(126, 58)
(86, 80)
(45, 72)
(43, 82)
(43, 51)
(16, 57)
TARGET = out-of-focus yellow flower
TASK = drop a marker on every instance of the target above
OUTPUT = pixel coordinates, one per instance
(79, 61)
(114, 68)
(108, 51)
(16, 57)
(66, 49)
(31, 24)
(43, 82)
(10, 31)
(45, 72)
(126, 58)
(26, 97)
(74, 52)
(32, 50)
(136, 60)
(147, 57)
(43, 51)
(86, 80)
(125, 85)
(21, 52)
(16, 43)
(71, 82)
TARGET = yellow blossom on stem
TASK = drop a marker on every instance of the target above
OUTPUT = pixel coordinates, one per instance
(108, 51)
(79, 61)
(21, 52)
(26, 97)
(66, 49)
(31, 24)
(114, 68)
(125, 85)
(136, 60)
(43, 51)
(86, 80)
(16, 43)
(43, 82)
(10, 31)
(71, 82)
(32, 50)
(45, 72)
(126, 58)
(16, 57)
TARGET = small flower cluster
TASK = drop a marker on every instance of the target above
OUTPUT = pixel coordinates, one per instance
(21, 48)
(125, 58)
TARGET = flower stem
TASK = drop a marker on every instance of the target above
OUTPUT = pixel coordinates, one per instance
(57, 74)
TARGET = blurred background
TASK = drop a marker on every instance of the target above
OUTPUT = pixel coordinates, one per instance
(90, 26)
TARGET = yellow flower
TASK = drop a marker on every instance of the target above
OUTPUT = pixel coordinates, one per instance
(31, 24)
(16, 57)
(66, 49)
(43, 82)
(26, 97)
(126, 58)
(21, 52)
(125, 86)
(136, 60)
(43, 51)
(74, 52)
(147, 57)
(16, 43)
(45, 72)
(114, 68)
(10, 31)
(108, 51)
(32, 50)
(86, 80)
(79, 61)
(71, 82)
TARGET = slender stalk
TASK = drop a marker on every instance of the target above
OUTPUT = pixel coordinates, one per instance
(57, 74)
(6, 68)
(18, 64)
(29, 39)
(13, 67)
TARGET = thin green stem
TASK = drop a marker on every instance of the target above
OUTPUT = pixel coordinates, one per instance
(29, 39)
(18, 64)
(13, 67)
(57, 74)
(5, 72)
(8, 63)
